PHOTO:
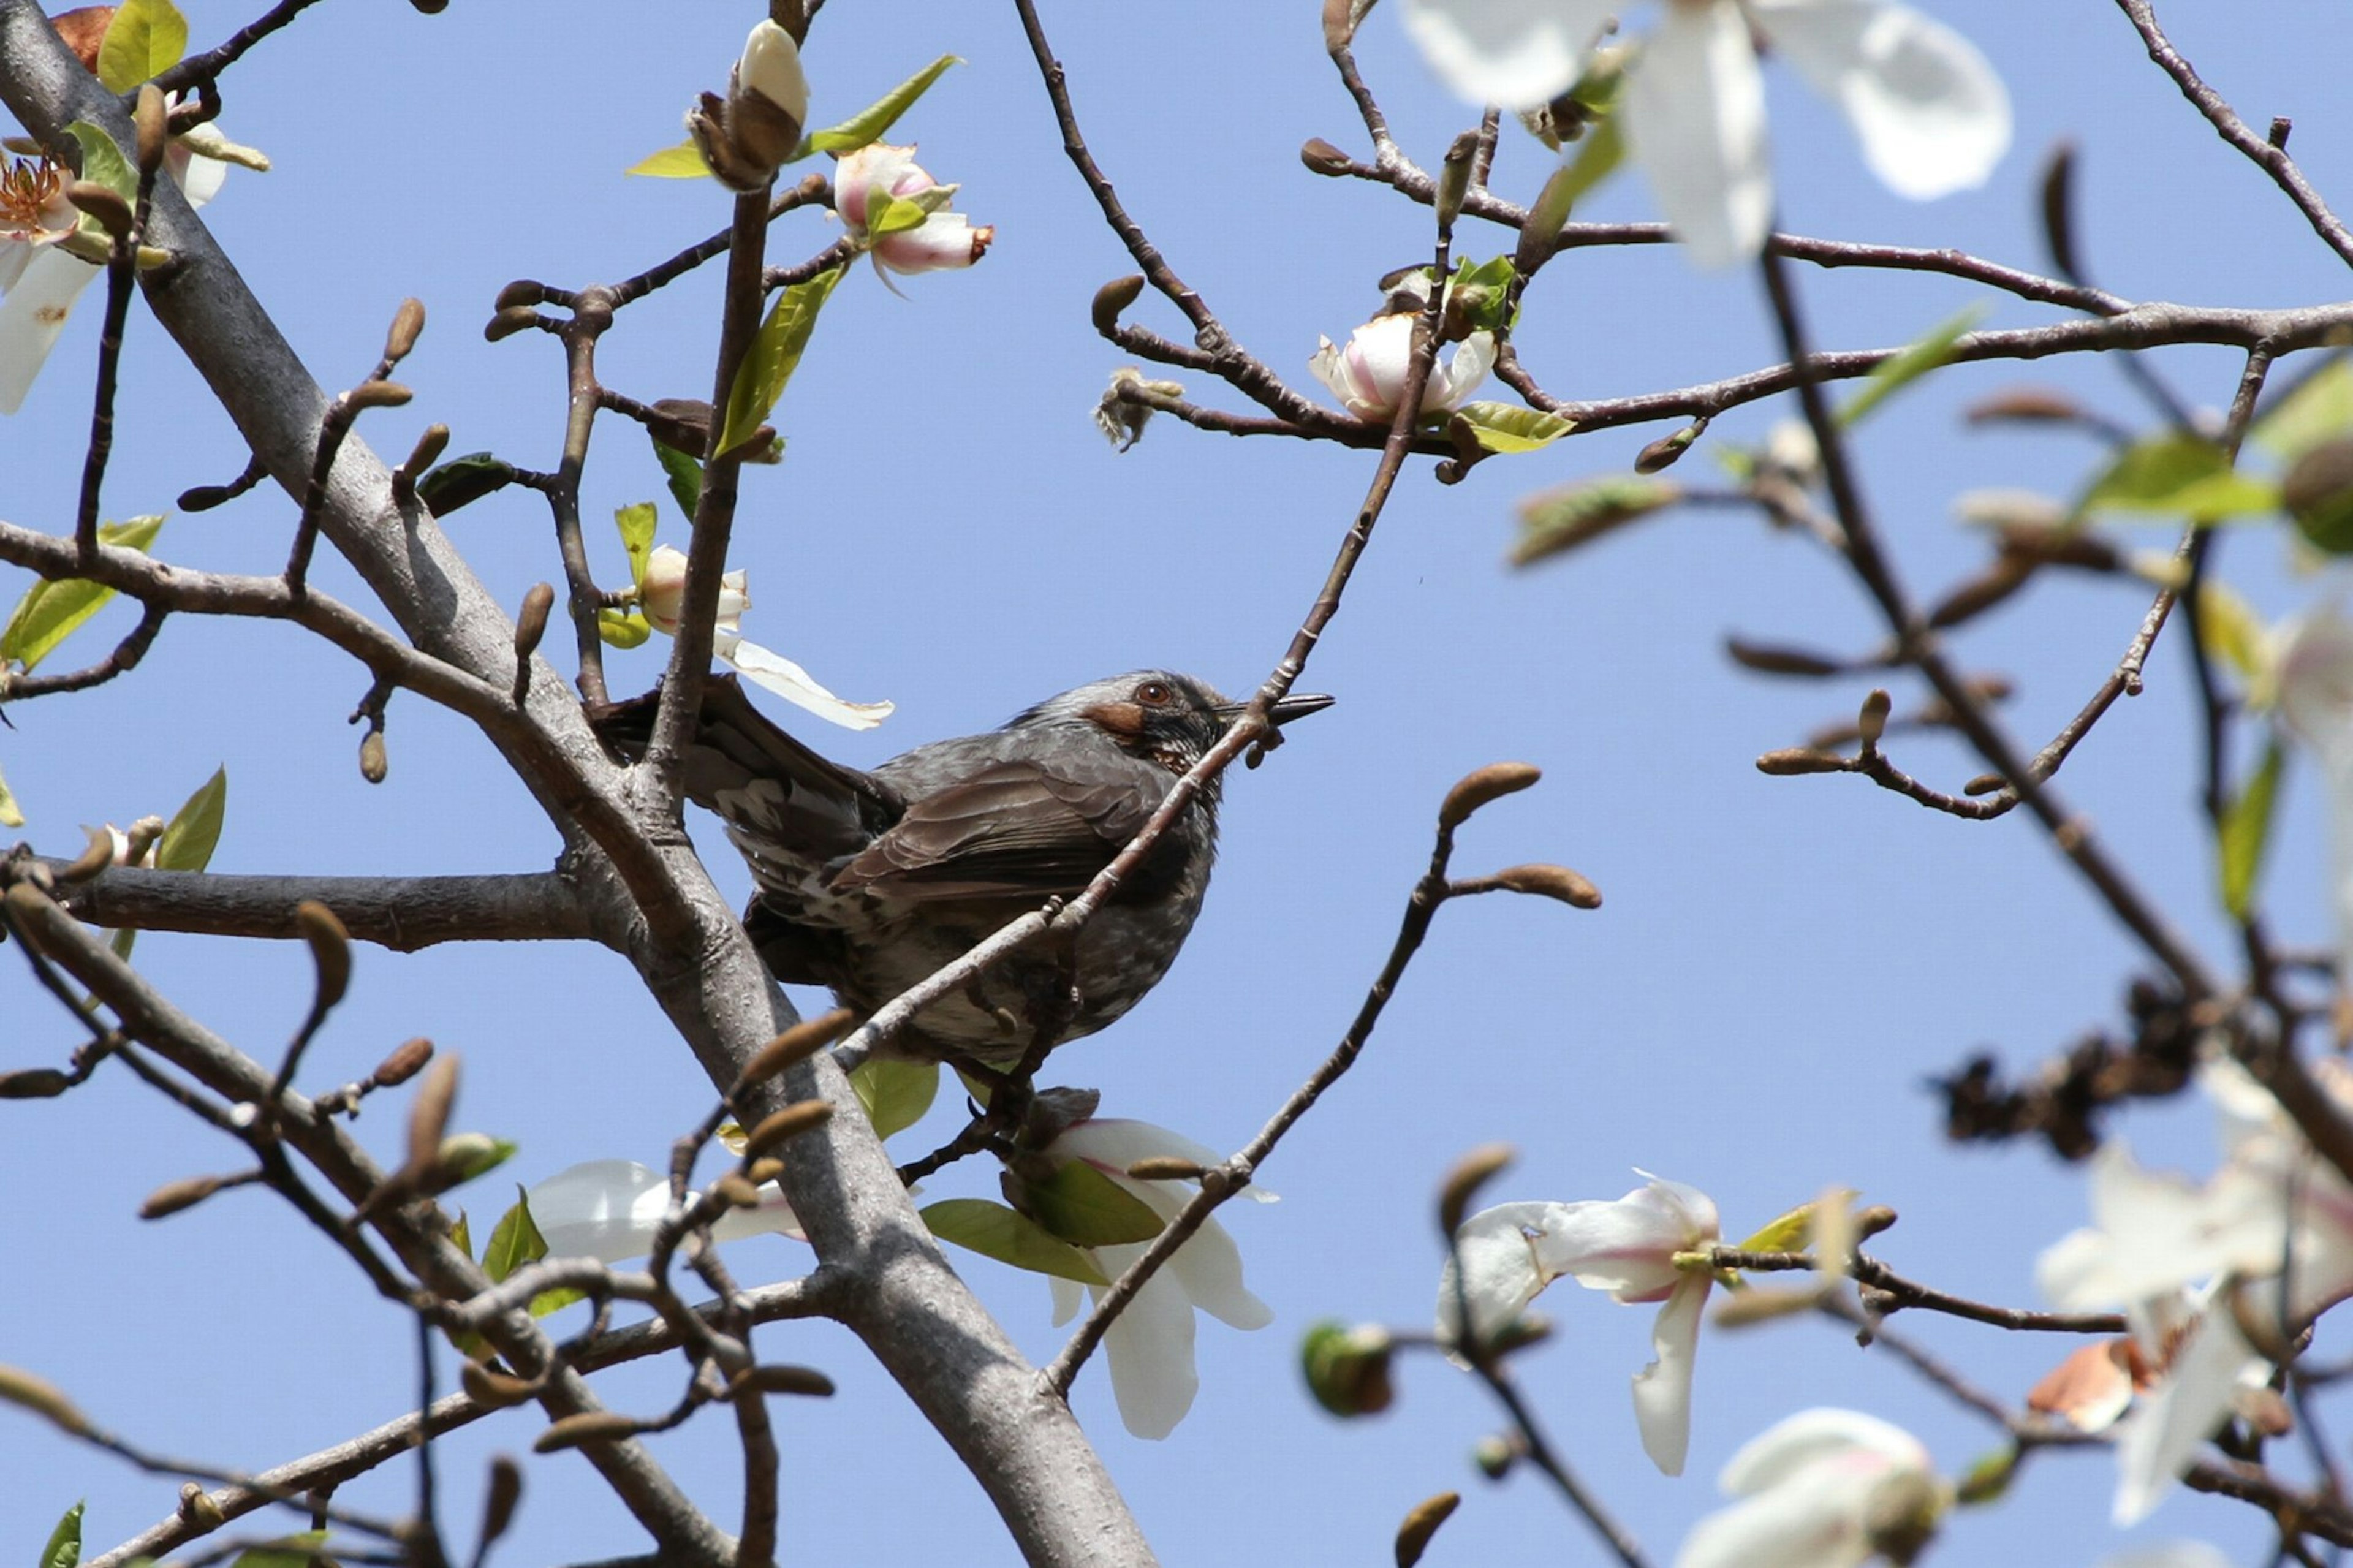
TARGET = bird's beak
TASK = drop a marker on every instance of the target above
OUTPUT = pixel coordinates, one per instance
(1295, 705)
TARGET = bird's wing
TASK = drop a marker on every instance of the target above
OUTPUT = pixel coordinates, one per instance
(766, 786)
(1012, 829)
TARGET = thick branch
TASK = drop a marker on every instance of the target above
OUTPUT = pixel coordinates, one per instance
(404, 913)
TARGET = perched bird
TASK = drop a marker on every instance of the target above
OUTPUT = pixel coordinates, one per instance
(870, 882)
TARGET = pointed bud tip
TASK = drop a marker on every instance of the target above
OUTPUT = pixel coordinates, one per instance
(1482, 788)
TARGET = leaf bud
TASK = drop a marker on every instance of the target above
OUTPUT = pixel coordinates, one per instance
(797, 1044)
(1113, 299)
(765, 1169)
(1551, 883)
(428, 1116)
(1770, 659)
(1347, 1369)
(43, 1398)
(173, 1197)
(532, 624)
(1454, 179)
(801, 1116)
(522, 291)
(1488, 784)
(148, 120)
(588, 1426)
(102, 203)
(373, 762)
(499, 1498)
(1413, 1536)
(1166, 1168)
(1871, 720)
(407, 323)
(1464, 1180)
(2025, 404)
(1322, 158)
(2318, 494)
(197, 1507)
(736, 1191)
(1984, 783)
(331, 949)
(488, 1386)
(1663, 452)
(780, 1378)
(34, 1083)
(509, 322)
(1795, 760)
(370, 394)
(96, 857)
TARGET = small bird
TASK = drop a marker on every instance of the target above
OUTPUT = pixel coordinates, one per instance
(870, 882)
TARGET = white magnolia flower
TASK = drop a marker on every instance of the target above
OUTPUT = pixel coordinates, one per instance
(1510, 1253)
(609, 1210)
(2171, 1554)
(1932, 115)
(943, 239)
(1821, 1490)
(1368, 375)
(1150, 1346)
(2312, 666)
(661, 594)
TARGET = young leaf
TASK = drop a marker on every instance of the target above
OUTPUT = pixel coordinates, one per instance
(2245, 829)
(1086, 1209)
(460, 481)
(50, 611)
(515, 1241)
(145, 40)
(683, 162)
(1507, 427)
(1598, 157)
(776, 355)
(624, 629)
(11, 815)
(1788, 1232)
(195, 829)
(2230, 630)
(896, 1094)
(1562, 518)
(1480, 291)
(103, 162)
(869, 124)
(685, 476)
(1907, 365)
(63, 1550)
(995, 1231)
(2321, 409)
(286, 1551)
(2176, 476)
(887, 214)
(637, 522)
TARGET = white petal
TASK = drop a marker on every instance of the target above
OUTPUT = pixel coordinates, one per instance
(2156, 1233)
(1150, 1347)
(1068, 1295)
(1208, 1267)
(1500, 1272)
(1695, 123)
(2157, 1442)
(1327, 366)
(1933, 116)
(609, 1210)
(32, 316)
(1795, 1442)
(2171, 1554)
(1515, 54)
(1627, 1246)
(1811, 1518)
(791, 683)
(771, 67)
(200, 177)
(1663, 1389)
(1459, 376)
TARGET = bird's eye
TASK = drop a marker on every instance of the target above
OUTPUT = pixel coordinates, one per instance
(1154, 694)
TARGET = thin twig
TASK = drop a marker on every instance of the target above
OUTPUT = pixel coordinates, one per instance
(207, 66)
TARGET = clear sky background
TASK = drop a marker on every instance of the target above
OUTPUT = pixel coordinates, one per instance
(1780, 964)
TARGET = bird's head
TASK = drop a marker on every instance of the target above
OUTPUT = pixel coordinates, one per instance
(1171, 718)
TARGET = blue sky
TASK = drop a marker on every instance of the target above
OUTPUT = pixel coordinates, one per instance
(1780, 963)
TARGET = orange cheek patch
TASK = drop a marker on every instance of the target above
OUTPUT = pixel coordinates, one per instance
(1124, 718)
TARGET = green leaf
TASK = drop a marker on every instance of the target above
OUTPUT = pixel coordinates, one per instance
(2230, 631)
(868, 123)
(1507, 427)
(1907, 365)
(685, 474)
(1562, 518)
(50, 611)
(103, 162)
(683, 162)
(475, 1154)
(1598, 154)
(2321, 409)
(1086, 1209)
(2245, 829)
(896, 1094)
(448, 486)
(1789, 1232)
(145, 40)
(286, 1551)
(776, 355)
(515, 1241)
(64, 1549)
(995, 1231)
(624, 629)
(1478, 293)
(11, 815)
(887, 214)
(461, 1235)
(2176, 476)
(194, 830)
(637, 522)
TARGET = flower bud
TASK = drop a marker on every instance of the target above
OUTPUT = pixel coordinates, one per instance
(1871, 721)
(1490, 784)
(1494, 1455)
(1663, 452)
(1552, 882)
(1454, 179)
(373, 762)
(1347, 1370)
(1322, 158)
(1797, 760)
(405, 1062)
(1413, 1536)
(1113, 299)
(407, 323)
(767, 98)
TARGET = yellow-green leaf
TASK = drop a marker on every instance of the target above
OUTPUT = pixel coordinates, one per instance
(515, 1241)
(2177, 475)
(868, 123)
(194, 830)
(1564, 517)
(286, 1552)
(1086, 1209)
(2232, 631)
(2319, 409)
(1507, 427)
(2245, 829)
(103, 162)
(624, 629)
(145, 40)
(1907, 365)
(776, 354)
(63, 1550)
(10, 816)
(887, 214)
(1790, 1232)
(683, 162)
(637, 522)
(995, 1231)
(684, 473)
(1598, 154)
(51, 610)
(896, 1094)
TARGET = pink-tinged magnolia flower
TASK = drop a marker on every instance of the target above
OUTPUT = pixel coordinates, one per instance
(1824, 1488)
(1510, 1253)
(661, 594)
(1150, 1346)
(609, 1210)
(942, 239)
(1932, 115)
(2313, 669)
(1368, 375)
